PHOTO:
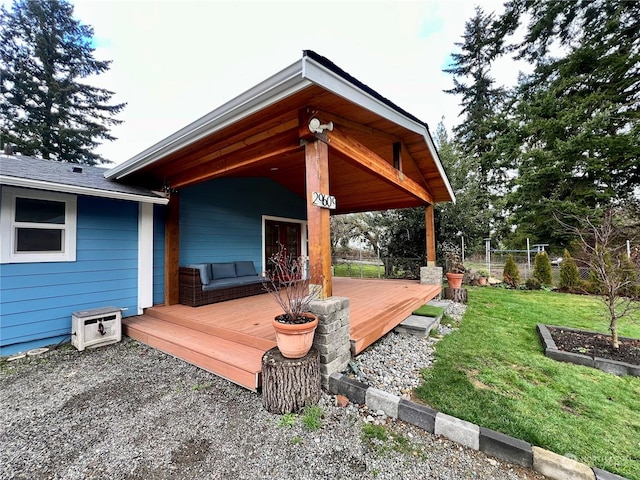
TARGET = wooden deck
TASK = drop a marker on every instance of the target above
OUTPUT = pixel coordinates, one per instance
(229, 338)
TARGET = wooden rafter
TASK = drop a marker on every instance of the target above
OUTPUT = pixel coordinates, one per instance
(355, 152)
(346, 124)
(274, 146)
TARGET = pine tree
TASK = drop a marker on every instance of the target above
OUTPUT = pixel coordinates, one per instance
(569, 276)
(466, 216)
(481, 101)
(542, 269)
(577, 113)
(510, 273)
(45, 107)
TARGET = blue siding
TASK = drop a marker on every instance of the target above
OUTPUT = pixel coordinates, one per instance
(159, 213)
(38, 298)
(221, 220)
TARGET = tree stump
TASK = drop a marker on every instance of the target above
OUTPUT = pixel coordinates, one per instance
(458, 295)
(290, 384)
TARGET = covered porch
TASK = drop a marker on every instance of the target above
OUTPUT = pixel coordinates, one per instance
(229, 338)
(307, 143)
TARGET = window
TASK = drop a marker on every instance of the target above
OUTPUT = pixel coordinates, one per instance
(37, 226)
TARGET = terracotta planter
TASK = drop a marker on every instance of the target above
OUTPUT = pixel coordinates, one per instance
(295, 340)
(455, 279)
(482, 281)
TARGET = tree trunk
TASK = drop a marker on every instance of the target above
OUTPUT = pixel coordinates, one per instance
(290, 384)
(458, 295)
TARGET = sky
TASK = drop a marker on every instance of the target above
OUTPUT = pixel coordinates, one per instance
(175, 61)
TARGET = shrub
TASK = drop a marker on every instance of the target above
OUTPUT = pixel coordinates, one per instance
(569, 276)
(542, 269)
(511, 274)
(533, 283)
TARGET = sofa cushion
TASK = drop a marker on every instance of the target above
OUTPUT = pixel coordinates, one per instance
(223, 270)
(245, 268)
(205, 271)
(232, 282)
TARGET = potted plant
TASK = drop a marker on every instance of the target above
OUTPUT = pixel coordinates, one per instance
(483, 276)
(288, 283)
(454, 265)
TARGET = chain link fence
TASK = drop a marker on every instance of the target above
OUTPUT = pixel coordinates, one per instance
(363, 267)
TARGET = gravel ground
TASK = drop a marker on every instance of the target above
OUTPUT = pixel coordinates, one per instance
(127, 411)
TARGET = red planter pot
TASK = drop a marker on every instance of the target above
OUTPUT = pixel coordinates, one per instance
(295, 340)
(455, 279)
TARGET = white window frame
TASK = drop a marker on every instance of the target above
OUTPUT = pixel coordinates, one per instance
(8, 226)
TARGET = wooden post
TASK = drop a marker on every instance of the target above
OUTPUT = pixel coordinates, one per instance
(290, 384)
(430, 226)
(317, 179)
(172, 251)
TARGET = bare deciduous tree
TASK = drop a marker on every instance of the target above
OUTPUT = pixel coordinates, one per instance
(615, 274)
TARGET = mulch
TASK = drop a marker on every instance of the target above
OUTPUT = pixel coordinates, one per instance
(596, 345)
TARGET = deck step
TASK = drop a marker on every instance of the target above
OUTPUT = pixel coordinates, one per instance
(379, 326)
(233, 335)
(231, 360)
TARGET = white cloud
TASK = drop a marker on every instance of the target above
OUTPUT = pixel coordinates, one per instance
(174, 61)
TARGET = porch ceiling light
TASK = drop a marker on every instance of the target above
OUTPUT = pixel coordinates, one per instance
(316, 127)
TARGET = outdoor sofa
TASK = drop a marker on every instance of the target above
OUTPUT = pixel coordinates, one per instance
(205, 283)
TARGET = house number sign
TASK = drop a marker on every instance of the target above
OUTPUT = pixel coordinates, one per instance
(324, 201)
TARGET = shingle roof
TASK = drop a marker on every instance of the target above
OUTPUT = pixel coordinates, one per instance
(62, 176)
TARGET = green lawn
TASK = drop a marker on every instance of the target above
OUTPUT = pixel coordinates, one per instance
(358, 270)
(493, 372)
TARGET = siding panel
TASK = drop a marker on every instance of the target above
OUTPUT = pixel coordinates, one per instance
(38, 298)
(221, 220)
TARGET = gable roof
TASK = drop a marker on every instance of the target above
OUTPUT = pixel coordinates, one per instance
(31, 172)
(312, 70)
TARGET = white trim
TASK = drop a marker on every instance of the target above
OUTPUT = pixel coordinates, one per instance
(281, 85)
(145, 256)
(8, 253)
(78, 190)
(304, 240)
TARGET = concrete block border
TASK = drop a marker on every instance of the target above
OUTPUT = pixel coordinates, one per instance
(496, 444)
(604, 364)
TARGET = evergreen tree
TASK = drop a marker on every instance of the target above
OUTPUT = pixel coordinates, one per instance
(465, 217)
(569, 276)
(45, 107)
(577, 115)
(481, 101)
(510, 273)
(542, 269)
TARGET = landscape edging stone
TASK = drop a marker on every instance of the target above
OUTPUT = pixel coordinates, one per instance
(490, 442)
(604, 364)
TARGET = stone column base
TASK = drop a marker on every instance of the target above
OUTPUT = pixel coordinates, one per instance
(332, 335)
(431, 275)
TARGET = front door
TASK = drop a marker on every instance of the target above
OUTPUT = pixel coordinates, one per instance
(277, 233)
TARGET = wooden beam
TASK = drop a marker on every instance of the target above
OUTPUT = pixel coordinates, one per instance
(209, 154)
(347, 124)
(172, 251)
(275, 146)
(430, 226)
(317, 180)
(354, 152)
(408, 157)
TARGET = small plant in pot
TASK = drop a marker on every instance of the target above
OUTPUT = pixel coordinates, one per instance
(483, 277)
(289, 284)
(454, 265)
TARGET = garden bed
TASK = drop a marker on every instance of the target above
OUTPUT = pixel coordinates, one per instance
(591, 349)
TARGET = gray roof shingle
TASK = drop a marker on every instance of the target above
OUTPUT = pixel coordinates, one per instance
(63, 173)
